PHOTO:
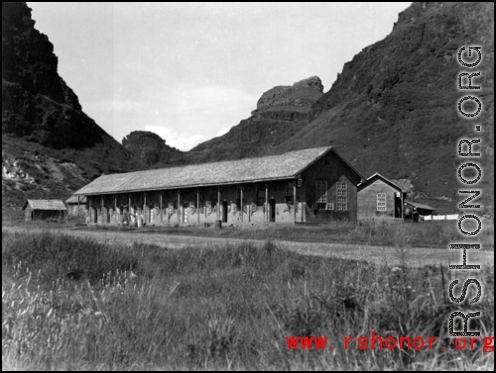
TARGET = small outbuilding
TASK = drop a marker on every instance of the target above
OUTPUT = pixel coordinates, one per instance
(76, 206)
(413, 210)
(41, 209)
(380, 198)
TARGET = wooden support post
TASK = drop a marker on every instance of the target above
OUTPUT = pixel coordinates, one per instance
(241, 203)
(144, 208)
(266, 203)
(294, 201)
(78, 209)
(161, 208)
(178, 206)
(218, 203)
(101, 210)
(90, 209)
(115, 209)
(402, 206)
(198, 205)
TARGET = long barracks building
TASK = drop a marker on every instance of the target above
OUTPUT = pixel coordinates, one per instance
(307, 186)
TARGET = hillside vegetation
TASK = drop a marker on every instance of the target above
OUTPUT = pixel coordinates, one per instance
(50, 147)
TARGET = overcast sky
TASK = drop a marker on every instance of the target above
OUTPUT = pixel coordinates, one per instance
(190, 72)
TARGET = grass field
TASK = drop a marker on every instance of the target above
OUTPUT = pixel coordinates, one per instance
(436, 234)
(75, 303)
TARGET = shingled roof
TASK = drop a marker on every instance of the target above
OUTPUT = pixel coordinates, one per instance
(45, 204)
(420, 206)
(274, 167)
(376, 176)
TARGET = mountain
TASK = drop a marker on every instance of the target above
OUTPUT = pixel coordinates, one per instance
(151, 149)
(50, 147)
(393, 108)
(281, 112)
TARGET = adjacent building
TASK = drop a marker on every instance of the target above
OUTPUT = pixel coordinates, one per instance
(304, 186)
(76, 206)
(380, 198)
(413, 210)
(41, 209)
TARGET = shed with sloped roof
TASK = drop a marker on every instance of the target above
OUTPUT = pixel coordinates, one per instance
(41, 209)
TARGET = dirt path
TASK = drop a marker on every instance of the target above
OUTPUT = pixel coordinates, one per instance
(415, 256)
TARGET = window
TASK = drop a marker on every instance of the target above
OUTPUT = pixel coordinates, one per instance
(321, 191)
(289, 192)
(381, 202)
(321, 194)
(341, 196)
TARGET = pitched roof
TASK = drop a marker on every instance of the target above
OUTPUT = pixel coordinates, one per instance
(420, 206)
(74, 200)
(45, 204)
(274, 167)
(376, 176)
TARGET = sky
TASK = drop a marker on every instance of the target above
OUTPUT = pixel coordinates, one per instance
(189, 72)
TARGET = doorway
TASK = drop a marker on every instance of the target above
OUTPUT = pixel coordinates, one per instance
(224, 211)
(398, 205)
(272, 210)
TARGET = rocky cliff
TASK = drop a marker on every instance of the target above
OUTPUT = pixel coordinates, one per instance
(49, 146)
(393, 108)
(281, 112)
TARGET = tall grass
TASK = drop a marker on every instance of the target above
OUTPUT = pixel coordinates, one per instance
(70, 303)
(382, 233)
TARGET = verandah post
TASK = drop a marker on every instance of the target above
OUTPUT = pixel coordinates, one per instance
(145, 220)
(294, 201)
(198, 205)
(178, 206)
(161, 208)
(78, 209)
(241, 203)
(266, 202)
(218, 203)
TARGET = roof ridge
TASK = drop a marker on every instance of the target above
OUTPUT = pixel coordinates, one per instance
(282, 166)
(218, 162)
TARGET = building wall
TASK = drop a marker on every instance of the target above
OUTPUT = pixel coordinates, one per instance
(332, 170)
(27, 214)
(30, 215)
(82, 211)
(367, 201)
(180, 207)
(72, 209)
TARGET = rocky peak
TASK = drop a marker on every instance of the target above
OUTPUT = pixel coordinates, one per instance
(300, 95)
(149, 147)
